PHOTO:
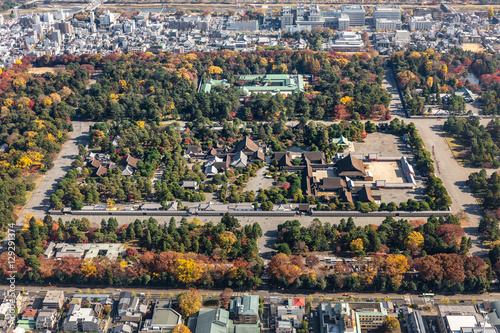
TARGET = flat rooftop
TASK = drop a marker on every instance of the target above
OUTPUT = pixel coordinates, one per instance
(164, 315)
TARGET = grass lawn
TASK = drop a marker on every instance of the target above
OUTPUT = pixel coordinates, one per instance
(456, 147)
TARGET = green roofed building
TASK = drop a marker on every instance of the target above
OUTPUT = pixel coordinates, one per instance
(26, 324)
(255, 84)
(208, 84)
(214, 321)
(217, 321)
(342, 141)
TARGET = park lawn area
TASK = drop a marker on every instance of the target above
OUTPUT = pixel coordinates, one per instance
(456, 147)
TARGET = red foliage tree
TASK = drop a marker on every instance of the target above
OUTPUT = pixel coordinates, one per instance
(340, 112)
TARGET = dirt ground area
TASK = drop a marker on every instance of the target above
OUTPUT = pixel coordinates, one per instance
(320, 174)
(43, 70)
(385, 144)
(388, 171)
(474, 47)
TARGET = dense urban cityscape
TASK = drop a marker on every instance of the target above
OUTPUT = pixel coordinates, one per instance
(245, 167)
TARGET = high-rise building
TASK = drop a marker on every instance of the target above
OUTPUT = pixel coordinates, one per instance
(107, 19)
(92, 17)
(344, 22)
(64, 27)
(56, 37)
(286, 16)
(310, 15)
(356, 14)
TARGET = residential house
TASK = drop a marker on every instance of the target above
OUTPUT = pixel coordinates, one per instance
(46, 319)
(82, 320)
(245, 310)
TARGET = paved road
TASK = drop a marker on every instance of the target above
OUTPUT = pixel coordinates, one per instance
(40, 200)
(396, 106)
(318, 296)
(454, 178)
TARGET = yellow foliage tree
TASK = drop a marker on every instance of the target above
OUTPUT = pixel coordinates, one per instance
(227, 239)
(110, 203)
(357, 246)
(189, 302)
(55, 98)
(415, 54)
(8, 102)
(392, 325)
(188, 271)
(282, 69)
(430, 81)
(24, 162)
(88, 268)
(47, 101)
(428, 66)
(415, 238)
(181, 329)
(347, 101)
(263, 62)
(395, 266)
(490, 13)
(122, 84)
(191, 57)
(141, 123)
(19, 83)
(445, 68)
(214, 70)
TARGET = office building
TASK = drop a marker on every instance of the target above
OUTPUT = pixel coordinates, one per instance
(355, 317)
(64, 27)
(421, 23)
(107, 19)
(385, 24)
(462, 318)
(344, 22)
(356, 14)
(310, 15)
(348, 41)
(54, 299)
(286, 16)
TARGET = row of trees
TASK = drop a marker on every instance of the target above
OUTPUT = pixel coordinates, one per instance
(481, 150)
(440, 273)
(194, 253)
(414, 238)
(437, 197)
